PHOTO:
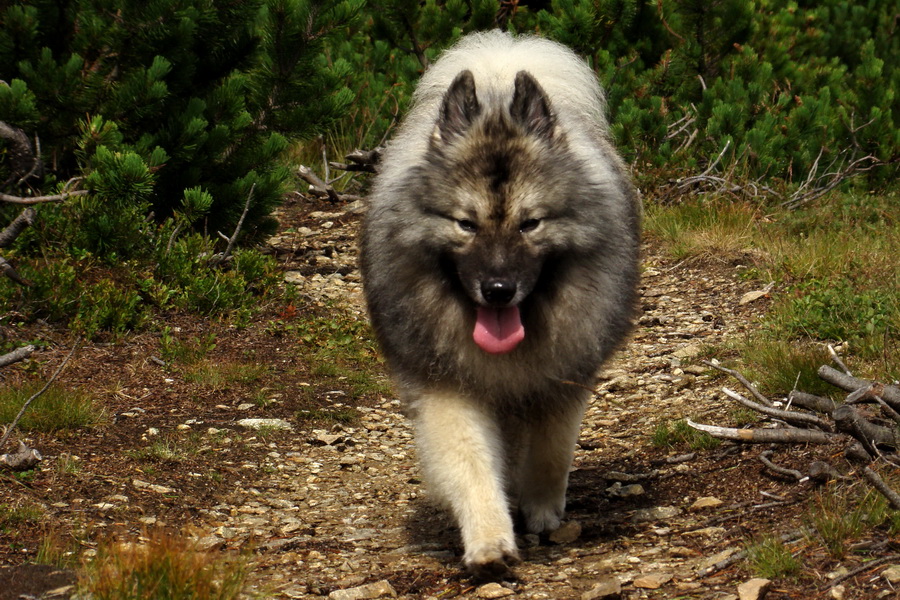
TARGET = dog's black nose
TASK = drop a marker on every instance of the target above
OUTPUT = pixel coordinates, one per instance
(498, 291)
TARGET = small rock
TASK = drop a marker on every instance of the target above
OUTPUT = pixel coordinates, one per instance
(705, 502)
(689, 351)
(159, 489)
(379, 589)
(567, 533)
(245, 406)
(837, 592)
(617, 490)
(892, 574)
(260, 423)
(608, 589)
(327, 439)
(754, 589)
(657, 513)
(652, 581)
(493, 590)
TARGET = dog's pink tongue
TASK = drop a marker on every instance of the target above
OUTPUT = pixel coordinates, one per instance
(498, 330)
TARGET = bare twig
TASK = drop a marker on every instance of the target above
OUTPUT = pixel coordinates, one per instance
(879, 484)
(8, 270)
(16, 355)
(891, 393)
(764, 436)
(317, 187)
(59, 370)
(786, 415)
(764, 459)
(18, 225)
(812, 402)
(848, 420)
(750, 387)
(837, 360)
(861, 569)
(41, 199)
(219, 259)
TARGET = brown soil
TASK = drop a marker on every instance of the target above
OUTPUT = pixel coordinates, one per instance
(334, 505)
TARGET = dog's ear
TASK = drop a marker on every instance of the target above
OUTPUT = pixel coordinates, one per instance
(459, 109)
(530, 107)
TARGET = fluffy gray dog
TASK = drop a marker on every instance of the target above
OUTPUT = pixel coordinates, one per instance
(500, 262)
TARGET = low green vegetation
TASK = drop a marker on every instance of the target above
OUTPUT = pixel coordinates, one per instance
(58, 408)
(339, 349)
(165, 566)
(770, 558)
(680, 435)
(837, 517)
(837, 271)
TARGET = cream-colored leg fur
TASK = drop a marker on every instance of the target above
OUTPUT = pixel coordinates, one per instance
(462, 456)
(542, 476)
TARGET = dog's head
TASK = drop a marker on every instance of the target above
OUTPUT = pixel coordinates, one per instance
(498, 178)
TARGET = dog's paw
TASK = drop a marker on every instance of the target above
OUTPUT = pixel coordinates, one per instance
(542, 519)
(491, 562)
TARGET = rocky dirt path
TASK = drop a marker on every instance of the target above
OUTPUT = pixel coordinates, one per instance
(341, 512)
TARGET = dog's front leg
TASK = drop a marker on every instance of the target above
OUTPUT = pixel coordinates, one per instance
(461, 451)
(543, 473)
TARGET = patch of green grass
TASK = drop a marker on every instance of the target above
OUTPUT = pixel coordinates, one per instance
(66, 464)
(769, 558)
(780, 365)
(221, 375)
(13, 516)
(187, 353)
(679, 435)
(58, 408)
(710, 227)
(836, 517)
(340, 350)
(59, 550)
(165, 449)
(166, 566)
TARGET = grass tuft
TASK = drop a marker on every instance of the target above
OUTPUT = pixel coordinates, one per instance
(57, 409)
(679, 434)
(165, 567)
(769, 558)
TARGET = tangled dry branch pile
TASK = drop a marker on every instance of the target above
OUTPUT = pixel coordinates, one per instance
(866, 423)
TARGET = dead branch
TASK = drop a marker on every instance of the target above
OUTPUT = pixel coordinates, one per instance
(786, 415)
(317, 187)
(37, 394)
(750, 387)
(766, 436)
(890, 394)
(861, 569)
(42, 199)
(848, 420)
(764, 459)
(24, 161)
(8, 270)
(879, 484)
(832, 180)
(23, 459)
(812, 402)
(365, 161)
(17, 355)
(220, 258)
(18, 225)
(837, 360)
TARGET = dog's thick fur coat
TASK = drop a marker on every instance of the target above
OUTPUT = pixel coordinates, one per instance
(500, 262)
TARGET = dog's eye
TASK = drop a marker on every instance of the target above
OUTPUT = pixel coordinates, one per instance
(467, 225)
(529, 225)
